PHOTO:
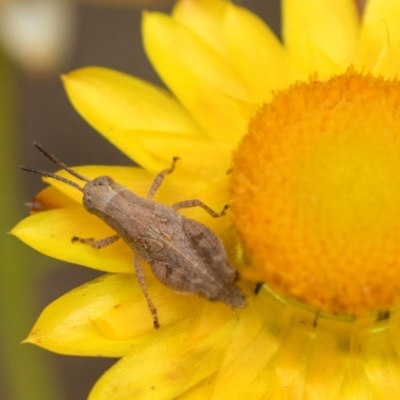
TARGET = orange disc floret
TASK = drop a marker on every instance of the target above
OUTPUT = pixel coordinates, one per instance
(316, 193)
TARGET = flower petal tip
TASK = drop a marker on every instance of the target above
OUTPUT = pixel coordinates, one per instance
(30, 339)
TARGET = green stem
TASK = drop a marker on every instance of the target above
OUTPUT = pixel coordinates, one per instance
(26, 372)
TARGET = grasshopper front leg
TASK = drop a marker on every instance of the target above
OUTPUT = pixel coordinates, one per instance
(97, 244)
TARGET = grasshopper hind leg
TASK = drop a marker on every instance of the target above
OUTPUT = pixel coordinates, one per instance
(142, 283)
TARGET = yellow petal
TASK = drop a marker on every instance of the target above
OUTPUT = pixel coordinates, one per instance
(204, 18)
(320, 34)
(69, 324)
(116, 105)
(256, 53)
(131, 316)
(203, 390)
(254, 338)
(380, 29)
(191, 151)
(381, 360)
(199, 77)
(50, 198)
(214, 195)
(51, 233)
(307, 356)
(383, 64)
(136, 180)
(171, 361)
(120, 321)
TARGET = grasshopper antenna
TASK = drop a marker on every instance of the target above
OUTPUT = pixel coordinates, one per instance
(60, 163)
(55, 176)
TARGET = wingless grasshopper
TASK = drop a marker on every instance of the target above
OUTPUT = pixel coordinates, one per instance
(183, 254)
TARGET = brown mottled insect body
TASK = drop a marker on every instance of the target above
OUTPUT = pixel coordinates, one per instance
(184, 255)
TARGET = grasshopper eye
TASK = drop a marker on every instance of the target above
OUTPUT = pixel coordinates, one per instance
(87, 202)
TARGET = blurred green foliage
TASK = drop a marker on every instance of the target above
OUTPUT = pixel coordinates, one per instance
(24, 371)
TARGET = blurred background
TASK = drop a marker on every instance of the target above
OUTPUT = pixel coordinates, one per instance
(39, 40)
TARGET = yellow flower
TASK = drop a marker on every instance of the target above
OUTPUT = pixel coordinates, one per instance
(314, 191)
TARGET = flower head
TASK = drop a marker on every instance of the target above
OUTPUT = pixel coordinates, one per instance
(313, 187)
(324, 209)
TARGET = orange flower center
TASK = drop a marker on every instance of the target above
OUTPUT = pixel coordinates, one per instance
(316, 193)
